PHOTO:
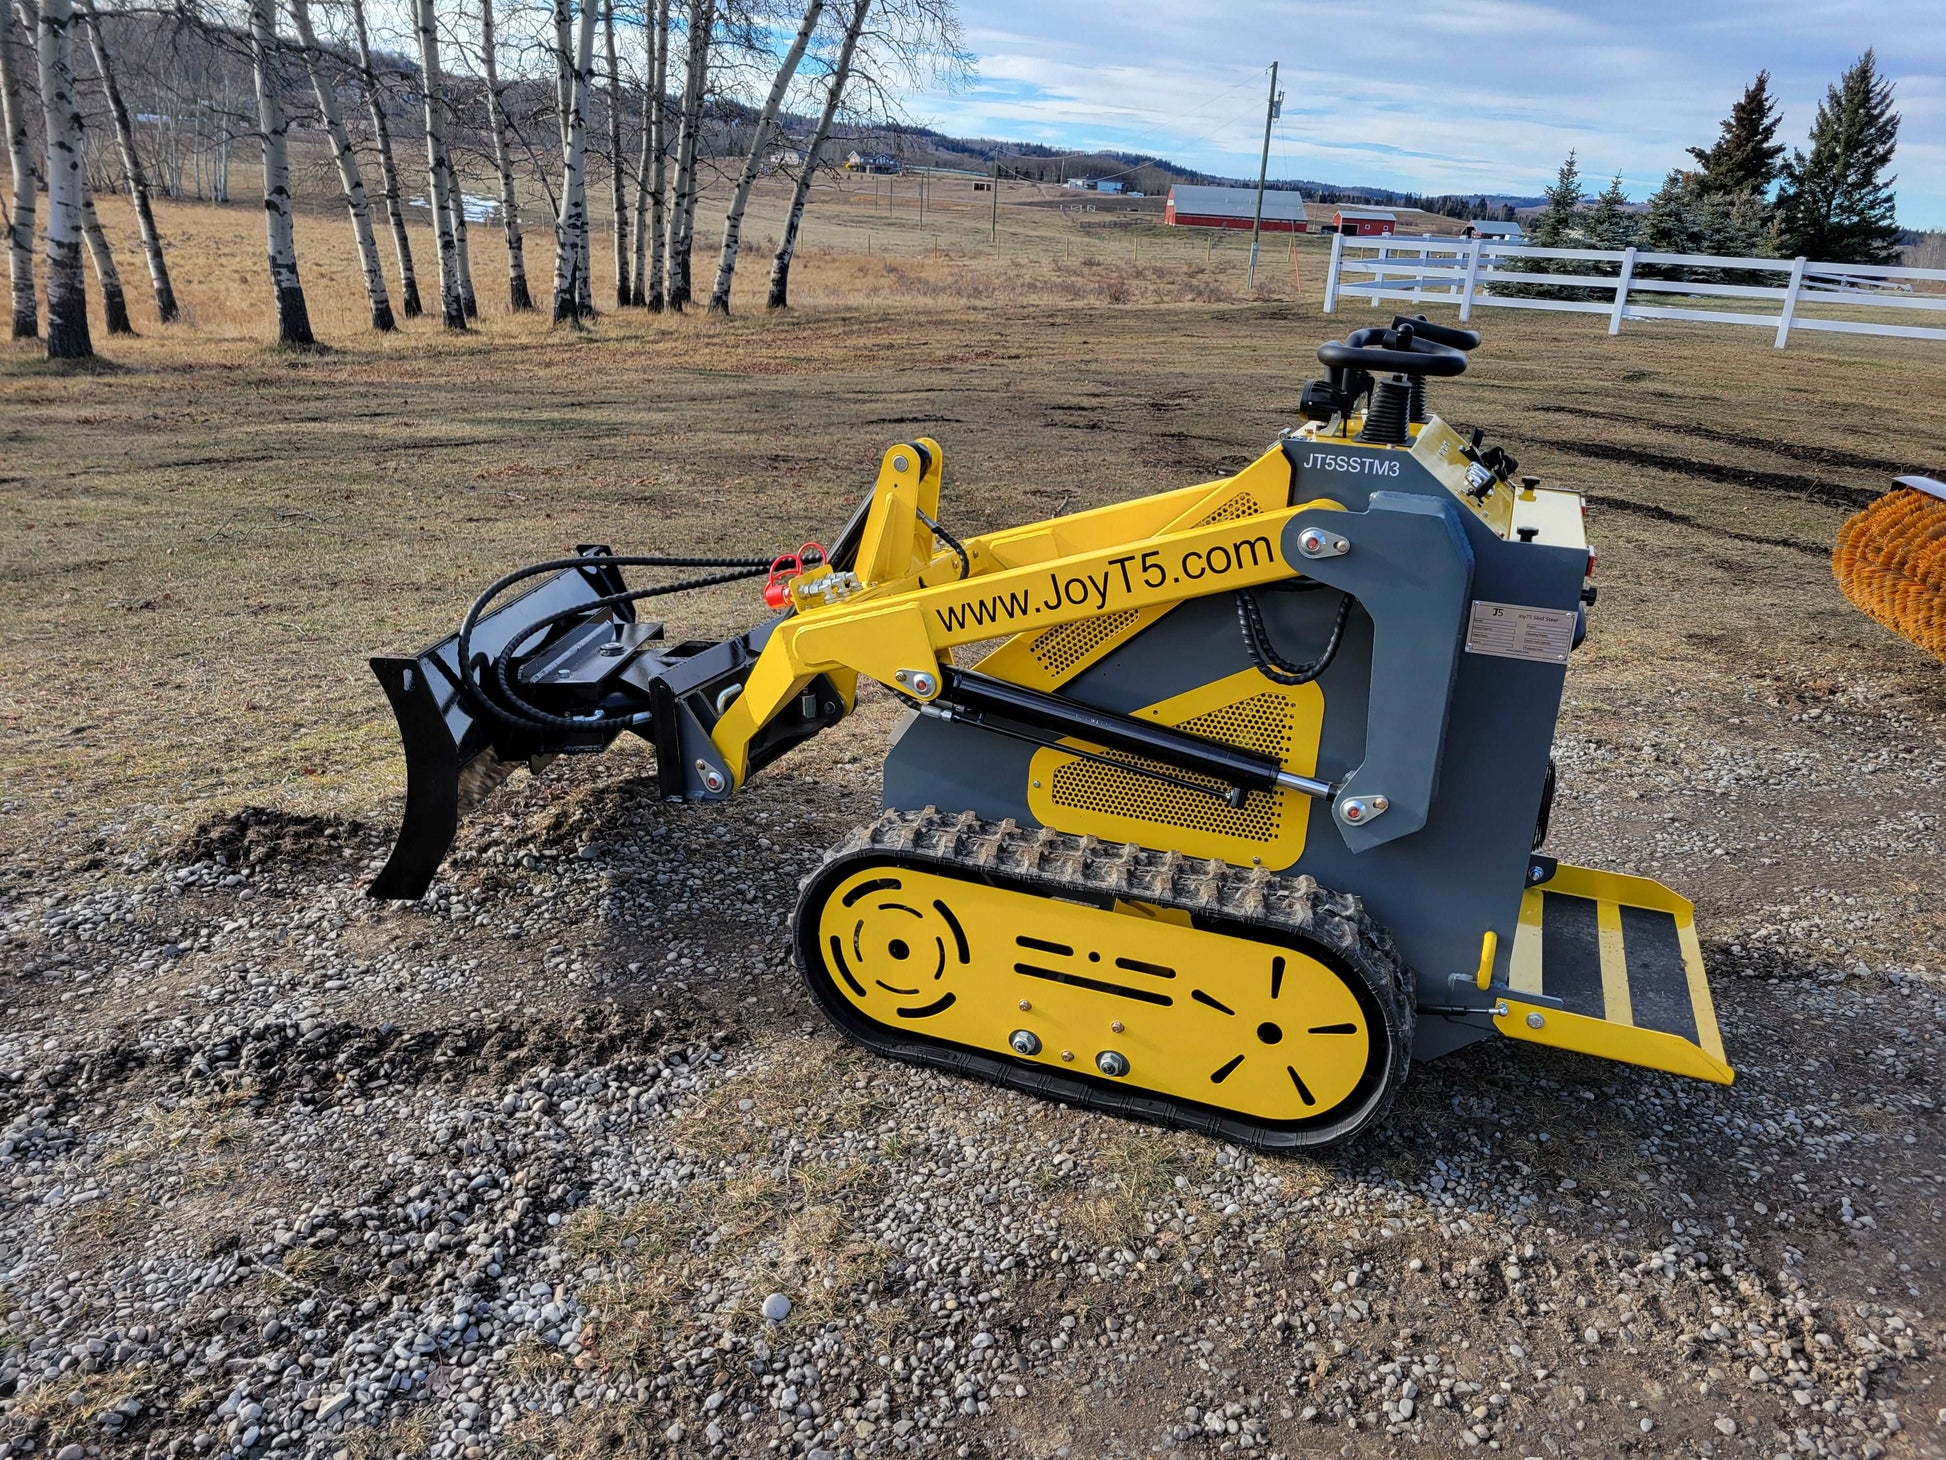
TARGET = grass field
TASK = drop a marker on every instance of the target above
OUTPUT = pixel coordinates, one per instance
(203, 537)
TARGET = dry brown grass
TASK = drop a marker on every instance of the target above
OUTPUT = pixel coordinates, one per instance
(204, 539)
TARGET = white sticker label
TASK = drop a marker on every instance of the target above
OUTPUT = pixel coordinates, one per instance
(1515, 631)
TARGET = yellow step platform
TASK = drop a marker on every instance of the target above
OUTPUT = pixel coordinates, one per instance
(1620, 953)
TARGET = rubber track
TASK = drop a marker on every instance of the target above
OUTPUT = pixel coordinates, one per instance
(1087, 868)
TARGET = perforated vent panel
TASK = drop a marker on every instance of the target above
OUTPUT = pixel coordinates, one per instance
(1263, 722)
(1240, 506)
(1059, 649)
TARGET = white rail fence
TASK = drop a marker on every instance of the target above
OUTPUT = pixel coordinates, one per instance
(1473, 272)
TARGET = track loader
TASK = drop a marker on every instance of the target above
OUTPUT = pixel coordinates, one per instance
(1238, 814)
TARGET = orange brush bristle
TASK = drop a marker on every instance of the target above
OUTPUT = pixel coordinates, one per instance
(1891, 561)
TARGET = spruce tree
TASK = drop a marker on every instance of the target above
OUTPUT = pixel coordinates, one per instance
(1745, 156)
(1837, 205)
(1560, 216)
(1609, 223)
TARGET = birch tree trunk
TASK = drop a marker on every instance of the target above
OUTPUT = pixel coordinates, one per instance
(517, 295)
(617, 183)
(780, 267)
(388, 172)
(293, 319)
(439, 178)
(462, 256)
(20, 219)
(138, 181)
(638, 288)
(682, 211)
(571, 232)
(726, 264)
(67, 288)
(350, 178)
(114, 303)
(659, 145)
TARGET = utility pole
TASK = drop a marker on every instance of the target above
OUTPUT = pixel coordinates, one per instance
(1263, 168)
(993, 212)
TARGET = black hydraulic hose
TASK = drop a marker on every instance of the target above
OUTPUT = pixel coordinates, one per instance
(529, 716)
(965, 563)
(1274, 666)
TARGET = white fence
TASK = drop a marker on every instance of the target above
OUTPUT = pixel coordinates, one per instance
(1471, 272)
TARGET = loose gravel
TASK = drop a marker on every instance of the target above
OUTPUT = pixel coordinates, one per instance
(559, 1162)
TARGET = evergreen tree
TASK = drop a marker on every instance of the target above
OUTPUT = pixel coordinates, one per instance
(1609, 223)
(1560, 217)
(1745, 157)
(1836, 205)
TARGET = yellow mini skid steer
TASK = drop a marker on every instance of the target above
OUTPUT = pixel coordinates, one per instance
(1241, 816)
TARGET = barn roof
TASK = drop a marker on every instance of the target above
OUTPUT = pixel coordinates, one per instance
(1380, 214)
(1283, 204)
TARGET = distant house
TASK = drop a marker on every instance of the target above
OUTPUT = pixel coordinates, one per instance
(785, 154)
(1365, 222)
(1092, 185)
(1206, 207)
(873, 162)
(1506, 232)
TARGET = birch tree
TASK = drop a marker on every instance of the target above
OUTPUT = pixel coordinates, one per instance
(20, 218)
(659, 146)
(726, 264)
(568, 73)
(439, 178)
(350, 178)
(518, 296)
(617, 182)
(114, 303)
(682, 207)
(780, 266)
(638, 291)
(388, 172)
(293, 319)
(67, 288)
(132, 171)
(462, 255)
(571, 230)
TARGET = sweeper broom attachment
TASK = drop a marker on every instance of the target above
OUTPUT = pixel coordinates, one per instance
(1891, 561)
(1241, 815)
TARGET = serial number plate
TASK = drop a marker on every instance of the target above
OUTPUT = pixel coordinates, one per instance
(1516, 631)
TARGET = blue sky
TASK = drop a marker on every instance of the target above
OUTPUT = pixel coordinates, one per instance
(1457, 95)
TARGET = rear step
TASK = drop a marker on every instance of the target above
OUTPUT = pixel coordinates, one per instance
(1620, 956)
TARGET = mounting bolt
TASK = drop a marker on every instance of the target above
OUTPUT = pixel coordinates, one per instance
(1500, 1010)
(1025, 1006)
(1357, 810)
(1314, 542)
(1534, 1021)
(713, 780)
(922, 682)
(900, 463)
(1024, 1042)
(1111, 1063)
(1067, 1056)
(1116, 1027)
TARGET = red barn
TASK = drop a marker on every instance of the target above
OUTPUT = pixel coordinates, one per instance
(1364, 222)
(1201, 207)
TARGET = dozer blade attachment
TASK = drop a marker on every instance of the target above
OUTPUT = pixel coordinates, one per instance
(1620, 955)
(455, 753)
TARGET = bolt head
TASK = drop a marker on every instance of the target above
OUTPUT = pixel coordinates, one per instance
(1024, 1042)
(1025, 1006)
(1535, 1021)
(1117, 1026)
(1067, 1056)
(1112, 1063)
(900, 463)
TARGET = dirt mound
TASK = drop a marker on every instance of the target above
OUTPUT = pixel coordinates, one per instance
(259, 834)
